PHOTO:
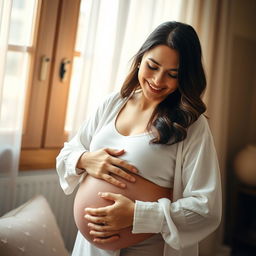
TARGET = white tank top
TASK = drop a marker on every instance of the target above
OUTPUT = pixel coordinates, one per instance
(155, 162)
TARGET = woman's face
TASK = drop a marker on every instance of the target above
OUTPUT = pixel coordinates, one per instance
(158, 73)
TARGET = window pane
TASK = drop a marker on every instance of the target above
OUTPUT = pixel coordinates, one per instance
(23, 19)
(73, 91)
(14, 84)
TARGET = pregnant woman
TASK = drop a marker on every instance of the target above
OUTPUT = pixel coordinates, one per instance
(145, 162)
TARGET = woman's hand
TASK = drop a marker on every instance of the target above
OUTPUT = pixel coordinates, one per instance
(105, 222)
(100, 164)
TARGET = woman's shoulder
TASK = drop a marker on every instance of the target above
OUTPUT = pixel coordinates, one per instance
(199, 129)
(112, 98)
(111, 103)
(198, 136)
(200, 123)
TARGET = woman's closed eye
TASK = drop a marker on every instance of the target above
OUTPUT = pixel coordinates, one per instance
(151, 67)
(173, 75)
(169, 74)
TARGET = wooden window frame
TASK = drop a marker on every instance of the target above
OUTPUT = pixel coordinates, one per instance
(46, 103)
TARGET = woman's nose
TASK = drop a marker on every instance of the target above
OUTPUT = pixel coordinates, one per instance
(158, 78)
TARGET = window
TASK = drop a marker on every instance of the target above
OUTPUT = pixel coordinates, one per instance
(50, 53)
(20, 49)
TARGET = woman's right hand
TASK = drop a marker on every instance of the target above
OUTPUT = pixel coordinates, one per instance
(102, 163)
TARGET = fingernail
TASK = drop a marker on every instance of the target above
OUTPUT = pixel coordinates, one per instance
(123, 185)
(100, 193)
(133, 179)
(134, 170)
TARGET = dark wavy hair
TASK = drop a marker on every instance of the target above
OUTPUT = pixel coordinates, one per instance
(180, 109)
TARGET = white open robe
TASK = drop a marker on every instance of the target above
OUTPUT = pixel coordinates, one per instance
(195, 211)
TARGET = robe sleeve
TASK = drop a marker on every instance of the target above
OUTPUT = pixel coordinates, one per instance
(69, 175)
(197, 212)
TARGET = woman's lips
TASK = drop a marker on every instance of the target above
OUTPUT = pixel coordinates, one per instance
(154, 88)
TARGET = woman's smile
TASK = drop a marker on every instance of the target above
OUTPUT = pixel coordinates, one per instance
(154, 88)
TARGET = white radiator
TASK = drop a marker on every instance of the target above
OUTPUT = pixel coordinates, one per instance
(45, 183)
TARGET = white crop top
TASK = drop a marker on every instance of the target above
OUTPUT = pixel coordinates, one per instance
(155, 162)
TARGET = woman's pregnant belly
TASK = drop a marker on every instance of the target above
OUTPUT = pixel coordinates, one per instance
(87, 196)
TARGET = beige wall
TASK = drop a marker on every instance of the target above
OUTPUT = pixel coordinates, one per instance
(235, 102)
(242, 93)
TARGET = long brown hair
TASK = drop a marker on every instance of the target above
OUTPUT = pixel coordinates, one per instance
(180, 109)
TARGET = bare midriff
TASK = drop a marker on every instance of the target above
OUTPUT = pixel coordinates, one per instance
(87, 196)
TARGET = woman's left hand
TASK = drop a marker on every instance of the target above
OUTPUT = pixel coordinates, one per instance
(110, 219)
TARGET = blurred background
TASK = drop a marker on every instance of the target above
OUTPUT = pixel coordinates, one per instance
(60, 58)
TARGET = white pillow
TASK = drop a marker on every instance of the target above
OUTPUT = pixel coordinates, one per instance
(30, 230)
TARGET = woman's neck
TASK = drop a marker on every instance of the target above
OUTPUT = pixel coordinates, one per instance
(141, 103)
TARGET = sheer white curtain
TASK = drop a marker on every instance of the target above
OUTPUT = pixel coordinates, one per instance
(114, 32)
(5, 16)
(12, 94)
(7, 167)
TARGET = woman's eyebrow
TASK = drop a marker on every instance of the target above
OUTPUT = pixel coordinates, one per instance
(171, 69)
